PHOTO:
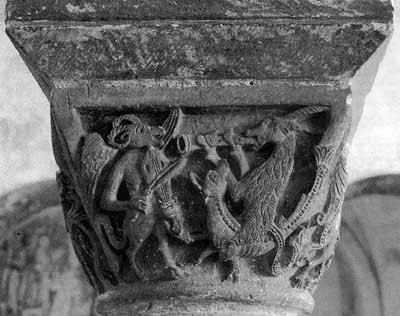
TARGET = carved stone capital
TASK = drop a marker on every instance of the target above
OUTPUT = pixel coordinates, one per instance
(202, 156)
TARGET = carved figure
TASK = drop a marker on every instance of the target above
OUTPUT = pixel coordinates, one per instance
(128, 190)
(315, 257)
(137, 184)
(260, 189)
(222, 226)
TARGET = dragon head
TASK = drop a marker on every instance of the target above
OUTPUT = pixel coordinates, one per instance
(270, 129)
(276, 129)
(214, 184)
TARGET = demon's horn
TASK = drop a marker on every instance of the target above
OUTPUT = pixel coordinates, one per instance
(171, 126)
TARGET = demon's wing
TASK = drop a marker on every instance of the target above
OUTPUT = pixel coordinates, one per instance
(96, 155)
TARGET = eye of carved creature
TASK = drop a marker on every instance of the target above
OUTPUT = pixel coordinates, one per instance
(140, 130)
(213, 177)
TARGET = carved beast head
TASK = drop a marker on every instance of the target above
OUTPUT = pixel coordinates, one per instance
(270, 130)
(276, 129)
(130, 132)
(215, 183)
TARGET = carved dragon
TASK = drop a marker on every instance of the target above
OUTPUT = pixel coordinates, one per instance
(260, 190)
(296, 228)
(222, 226)
(315, 256)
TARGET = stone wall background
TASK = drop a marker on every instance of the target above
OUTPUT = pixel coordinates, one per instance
(25, 141)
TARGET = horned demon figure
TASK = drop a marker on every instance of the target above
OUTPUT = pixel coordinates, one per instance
(135, 175)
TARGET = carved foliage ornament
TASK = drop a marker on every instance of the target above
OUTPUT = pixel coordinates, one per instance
(156, 200)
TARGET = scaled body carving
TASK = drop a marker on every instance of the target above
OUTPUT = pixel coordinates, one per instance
(261, 190)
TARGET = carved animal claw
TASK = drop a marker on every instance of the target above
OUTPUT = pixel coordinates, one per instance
(206, 253)
(235, 149)
(212, 154)
(178, 272)
(141, 275)
(234, 273)
(228, 136)
(233, 276)
(202, 141)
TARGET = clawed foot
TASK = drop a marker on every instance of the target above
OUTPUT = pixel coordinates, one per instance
(233, 275)
(206, 253)
(141, 275)
(228, 136)
(212, 154)
(237, 152)
(178, 272)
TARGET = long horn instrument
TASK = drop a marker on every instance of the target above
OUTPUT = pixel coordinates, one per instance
(171, 126)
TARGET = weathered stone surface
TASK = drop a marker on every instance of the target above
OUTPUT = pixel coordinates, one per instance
(218, 94)
(103, 10)
(39, 273)
(136, 42)
(190, 298)
(187, 50)
(169, 252)
(201, 159)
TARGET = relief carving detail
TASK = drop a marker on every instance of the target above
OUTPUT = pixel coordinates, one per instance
(158, 201)
(149, 206)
